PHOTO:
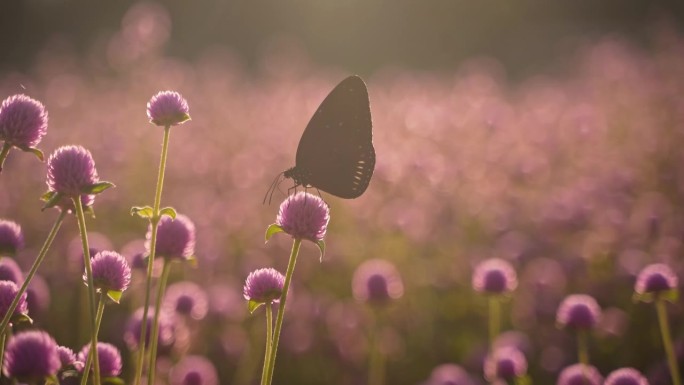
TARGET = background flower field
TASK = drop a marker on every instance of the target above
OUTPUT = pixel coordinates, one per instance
(575, 178)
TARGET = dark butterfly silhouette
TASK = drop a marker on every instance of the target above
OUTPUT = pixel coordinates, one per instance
(336, 153)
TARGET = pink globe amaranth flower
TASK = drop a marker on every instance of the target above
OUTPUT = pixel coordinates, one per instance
(11, 238)
(110, 271)
(167, 108)
(494, 276)
(66, 357)
(377, 282)
(23, 121)
(109, 357)
(186, 298)
(506, 363)
(10, 271)
(31, 356)
(304, 216)
(167, 329)
(579, 312)
(625, 376)
(175, 238)
(70, 170)
(8, 291)
(656, 278)
(449, 374)
(579, 374)
(264, 286)
(193, 370)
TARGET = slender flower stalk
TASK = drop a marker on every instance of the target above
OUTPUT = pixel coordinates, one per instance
(98, 321)
(281, 309)
(155, 324)
(36, 264)
(494, 320)
(579, 313)
(91, 291)
(667, 341)
(269, 342)
(154, 223)
(583, 347)
(376, 362)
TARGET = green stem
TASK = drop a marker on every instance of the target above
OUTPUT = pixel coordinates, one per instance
(155, 325)
(583, 347)
(98, 321)
(667, 341)
(281, 309)
(91, 288)
(269, 341)
(376, 364)
(3, 341)
(3, 154)
(32, 272)
(494, 320)
(153, 249)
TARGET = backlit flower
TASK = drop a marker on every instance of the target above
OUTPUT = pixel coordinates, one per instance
(108, 356)
(656, 278)
(70, 170)
(304, 216)
(494, 276)
(264, 286)
(625, 376)
(167, 108)
(30, 356)
(23, 121)
(377, 281)
(505, 363)
(175, 238)
(110, 271)
(194, 370)
(578, 311)
(579, 374)
(11, 238)
(186, 298)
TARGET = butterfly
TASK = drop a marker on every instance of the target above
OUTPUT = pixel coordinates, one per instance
(336, 153)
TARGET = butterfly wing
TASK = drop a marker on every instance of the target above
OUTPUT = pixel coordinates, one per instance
(336, 153)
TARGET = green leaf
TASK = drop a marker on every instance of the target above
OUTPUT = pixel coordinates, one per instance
(142, 212)
(670, 295)
(645, 297)
(168, 211)
(21, 318)
(51, 380)
(273, 229)
(97, 188)
(88, 210)
(114, 295)
(184, 118)
(523, 380)
(253, 305)
(112, 381)
(321, 247)
(34, 151)
(51, 199)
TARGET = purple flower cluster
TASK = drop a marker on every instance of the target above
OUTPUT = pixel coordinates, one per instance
(70, 170)
(109, 357)
(194, 370)
(264, 286)
(580, 374)
(304, 216)
(30, 356)
(110, 271)
(494, 276)
(579, 312)
(655, 279)
(377, 281)
(23, 121)
(187, 299)
(167, 108)
(11, 238)
(175, 238)
(166, 335)
(505, 363)
(8, 291)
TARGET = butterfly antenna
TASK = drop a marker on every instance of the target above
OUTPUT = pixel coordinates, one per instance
(271, 189)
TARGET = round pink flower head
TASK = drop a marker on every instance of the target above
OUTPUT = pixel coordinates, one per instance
(579, 374)
(175, 238)
(304, 216)
(167, 329)
(109, 357)
(70, 170)
(66, 357)
(194, 370)
(264, 286)
(31, 356)
(110, 271)
(579, 312)
(625, 376)
(506, 363)
(187, 299)
(377, 282)
(9, 290)
(494, 276)
(656, 278)
(10, 271)
(11, 238)
(449, 374)
(167, 108)
(23, 121)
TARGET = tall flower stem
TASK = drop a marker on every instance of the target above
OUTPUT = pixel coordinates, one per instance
(155, 325)
(281, 308)
(153, 247)
(3, 154)
(269, 341)
(91, 289)
(494, 320)
(32, 272)
(98, 321)
(3, 341)
(583, 347)
(376, 362)
(667, 341)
